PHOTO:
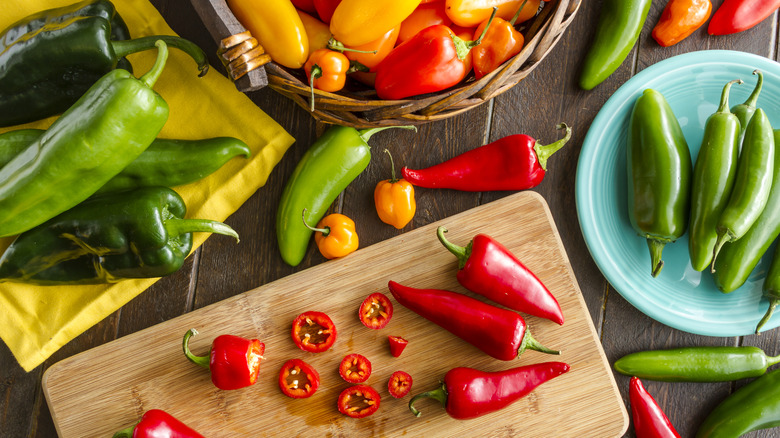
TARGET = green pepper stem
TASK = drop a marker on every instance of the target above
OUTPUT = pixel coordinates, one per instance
(185, 345)
(753, 98)
(366, 134)
(529, 343)
(338, 46)
(325, 231)
(462, 253)
(177, 227)
(773, 302)
(723, 238)
(462, 48)
(544, 152)
(517, 14)
(159, 64)
(656, 248)
(393, 179)
(316, 72)
(125, 433)
(439, 394)
(126, 47)
(724, 96)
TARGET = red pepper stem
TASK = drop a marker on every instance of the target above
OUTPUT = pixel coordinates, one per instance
(365, 134)
(316, 72)
(753, 98)
(463, 47)
(462, 253)
(125, 433)
(159, 64)
(724, 97)
(325, 231)
(517, 14)
(338, 46)
(529, 343)
(439, 394)
(544, 152)
(393, 179)
(185, 345)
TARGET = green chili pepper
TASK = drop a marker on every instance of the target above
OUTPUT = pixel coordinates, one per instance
(713, 179)
(771, 287)
(13, 143)
(103, 132)
(738, 259)
(132, 234)
(325, 170)
(659, 175)
(619, 26)
(744, 111)
(696, 364)
(752, 184)
(52, 57)
(752, 407)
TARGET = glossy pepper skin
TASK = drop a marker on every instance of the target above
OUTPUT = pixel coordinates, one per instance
(394, 199)
(400, 384)
(470, 393)
(659, 175)
(488, 268)
(500, 333)
(397, 345)
(713, 179)
(277, 27)
(326, 8)
(356, 22)
(739, 15)
(355, 368)
(335, 236)
(298, 379)
(745, 110)
(377, 49)
(502, 41)
(234, 361)
(327, 71)
(376, 311)
(425, 15)
(108, 238)
(619, 26)
(470, 13)
(313, 331)
(359, 401)
(649, 420)
(771, 288)
(156, 423)
(679, 19)
(51, 58)
(97, 137)
(515, 162)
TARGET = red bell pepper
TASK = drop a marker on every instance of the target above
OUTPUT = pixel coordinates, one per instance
(487, 268)
(313, 332)
(234, 361)
(470, 393)
(397, 345)
(501, 333)
(358, 401)
(375, 311)
(355, 368)
(158, 424)
(297, 379)
(649, 420)
(737, 15)
(515, 162)
(400, 384)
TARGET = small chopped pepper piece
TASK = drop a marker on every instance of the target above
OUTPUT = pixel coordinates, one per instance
(297, 379)
(334, 235)
(355, 368)
(400, 384)
(313, 332)
(376, 311)
(359, 401)
(156, 423)
(234, 361)
(397, 345)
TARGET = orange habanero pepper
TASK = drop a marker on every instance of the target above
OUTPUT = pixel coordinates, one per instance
(469, 13)
(501, 42)
(394, 199)
(357, 22)
(679, 19)
(327, 71)
(335, 235)
(277, 27)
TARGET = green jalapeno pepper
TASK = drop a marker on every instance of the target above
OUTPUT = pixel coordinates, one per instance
(619, 26)
(103, 132)
(696, 364)
(326, 169)
(659, 175)
(771, 287)
(713, 179)
(752, 184)
(744, 111)
(738, 259)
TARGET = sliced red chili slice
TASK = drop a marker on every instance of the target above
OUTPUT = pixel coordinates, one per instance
(358, 401)
(376, 311)
(297, 379)
(397, 345)
(355, 368)
(400, 384)
(313, 332)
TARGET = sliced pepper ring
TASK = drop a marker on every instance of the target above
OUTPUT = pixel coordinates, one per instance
(359, 401)
(375, 311)
(313, 332)
(297, 379)
(397, 345)
(355, 368)
(400, 384)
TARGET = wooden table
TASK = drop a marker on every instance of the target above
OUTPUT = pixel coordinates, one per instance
(220, 269)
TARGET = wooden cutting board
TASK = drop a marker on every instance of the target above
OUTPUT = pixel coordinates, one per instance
(109, 387)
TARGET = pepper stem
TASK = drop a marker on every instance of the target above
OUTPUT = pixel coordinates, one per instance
(185, 345)
(338, 46)
(517, 14)
(316, 72)
(529, 343)
(125, 433)
(462, 253)
(365, 134)
(753, 98)
(463, 47)
(439, 394)
(544, 152)
(159, 64)
(773, 302)
(393, 179)
(123, 48)
(656, 248)
(177, 227)
(724, 97)
(325, 231)
(723, 238)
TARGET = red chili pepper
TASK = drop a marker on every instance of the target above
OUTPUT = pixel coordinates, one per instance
(649, 420)
(469, 393)
(487, 268)
(397, 345)
(313, 332)
(234, 361)
(516, 162)
(305, 5)
(737, 15)
(375, 311)
(400, 384)
(158, 424)
(359, 401)
(297, 379)
(501, 333)
(355, 368)
(325, 8)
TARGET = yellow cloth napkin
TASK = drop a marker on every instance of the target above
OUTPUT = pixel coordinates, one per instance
(35, 321)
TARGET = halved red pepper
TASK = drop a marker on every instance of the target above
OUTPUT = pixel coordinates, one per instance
(234, 361)
(649, 420)
(156, 423)
(397, 345)
(400, 384)
(359, 401)
(313, 332)
(375, 311)
(297, 379)
(355, 368)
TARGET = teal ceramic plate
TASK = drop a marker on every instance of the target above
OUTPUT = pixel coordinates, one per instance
(679, 297)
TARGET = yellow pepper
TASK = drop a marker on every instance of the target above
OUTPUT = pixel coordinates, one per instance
(470, 13)
(394, 199)
(277, 27)
(334, 235)
(317, 32)
(357, 22)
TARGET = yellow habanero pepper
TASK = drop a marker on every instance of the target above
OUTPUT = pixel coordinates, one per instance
(277, 27)
(334, 235)
(470, 13)
(357, 22)
(394, 199)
